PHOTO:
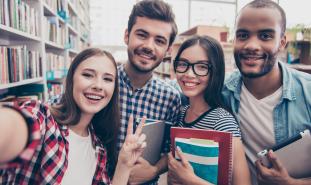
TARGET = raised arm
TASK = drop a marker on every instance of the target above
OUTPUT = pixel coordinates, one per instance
(129, 153)
(13, 134)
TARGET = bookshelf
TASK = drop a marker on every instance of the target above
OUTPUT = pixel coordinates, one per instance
(38, 40)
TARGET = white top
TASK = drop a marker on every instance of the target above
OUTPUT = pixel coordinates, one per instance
(256, 123)
(81, 160)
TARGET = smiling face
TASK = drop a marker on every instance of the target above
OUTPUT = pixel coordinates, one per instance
(258, 40)
(94, 84)
(191, 84)
(147, 43)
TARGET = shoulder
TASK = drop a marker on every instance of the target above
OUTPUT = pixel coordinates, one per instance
(222, 113)
(165, 86)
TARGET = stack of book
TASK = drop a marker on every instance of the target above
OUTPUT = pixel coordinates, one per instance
(18, 63)
(203, 156)
(208, 151)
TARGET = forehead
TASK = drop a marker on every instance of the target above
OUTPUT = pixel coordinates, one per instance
(254, 19)
(194, 53)
(153, 27)
(99, 64)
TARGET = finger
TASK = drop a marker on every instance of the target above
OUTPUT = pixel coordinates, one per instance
(141, 139)
(183, 159)
(130, 126)
(262, 171)
(276, 163)
(140, 126)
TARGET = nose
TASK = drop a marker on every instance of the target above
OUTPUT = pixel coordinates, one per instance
(252, 44)
(190, 72)
(149, 44)
(97, 84)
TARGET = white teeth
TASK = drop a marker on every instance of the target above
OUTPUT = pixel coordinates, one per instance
(93, 97)
(188, 84)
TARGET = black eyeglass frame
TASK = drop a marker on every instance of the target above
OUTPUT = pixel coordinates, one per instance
(205, 62)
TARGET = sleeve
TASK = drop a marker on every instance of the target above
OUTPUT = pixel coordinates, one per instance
(226, 122)
(173, 118)
(31, 111)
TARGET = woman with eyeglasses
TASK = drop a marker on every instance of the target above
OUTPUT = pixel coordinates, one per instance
(200, 71)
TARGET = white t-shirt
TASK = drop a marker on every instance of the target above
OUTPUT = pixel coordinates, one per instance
(81, 160)
(256, 124)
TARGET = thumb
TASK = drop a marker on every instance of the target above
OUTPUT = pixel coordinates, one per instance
(276, 163)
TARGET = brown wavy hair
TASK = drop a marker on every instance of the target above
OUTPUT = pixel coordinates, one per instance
(106, 123)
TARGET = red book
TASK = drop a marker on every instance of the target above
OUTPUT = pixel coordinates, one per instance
(224, 140)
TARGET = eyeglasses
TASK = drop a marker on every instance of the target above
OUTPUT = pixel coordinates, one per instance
(200, 68)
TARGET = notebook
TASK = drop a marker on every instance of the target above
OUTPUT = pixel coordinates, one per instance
(203, 155)
(294, 153)
(155, 133)
(224, 141)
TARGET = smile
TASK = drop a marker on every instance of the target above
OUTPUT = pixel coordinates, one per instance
(190, 84)
(93, 96)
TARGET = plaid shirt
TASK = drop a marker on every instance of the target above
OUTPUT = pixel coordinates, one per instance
(156, 100)
(45, 158)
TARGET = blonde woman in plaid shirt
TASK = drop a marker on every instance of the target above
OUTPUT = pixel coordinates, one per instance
(73, 142)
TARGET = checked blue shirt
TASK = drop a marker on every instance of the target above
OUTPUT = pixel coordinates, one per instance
(156, 100)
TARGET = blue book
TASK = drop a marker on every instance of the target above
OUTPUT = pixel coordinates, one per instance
(202, 155)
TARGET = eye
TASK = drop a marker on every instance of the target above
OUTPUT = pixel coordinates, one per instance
(108, 79)
(202, 67)
(242, 36)
(161, 41)
(87, 75)
(141, 35)
(265, 36)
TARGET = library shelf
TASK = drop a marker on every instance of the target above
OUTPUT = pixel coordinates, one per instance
(14, 34)
(53, 45)
(20, 83)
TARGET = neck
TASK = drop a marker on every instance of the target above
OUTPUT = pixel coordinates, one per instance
(198, 105)
(82, 127)
(138, 79)
(266, 85)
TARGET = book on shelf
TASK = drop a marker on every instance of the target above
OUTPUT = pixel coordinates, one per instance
(18, 63)
(20, 94)
(208, 151)
(19, 15)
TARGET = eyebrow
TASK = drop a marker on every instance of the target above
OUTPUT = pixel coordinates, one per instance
(145, 32)
(94, 71)
(263, 30)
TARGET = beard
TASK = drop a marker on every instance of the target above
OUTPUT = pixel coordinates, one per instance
(269, 60)
(146, 52)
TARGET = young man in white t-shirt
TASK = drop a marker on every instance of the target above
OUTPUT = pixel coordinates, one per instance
(271, 101)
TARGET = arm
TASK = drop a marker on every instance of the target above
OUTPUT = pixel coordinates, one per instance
(241, 174)
(143, 171)
(129, 153)
(182, 172)
(13, 134)
(277, 174)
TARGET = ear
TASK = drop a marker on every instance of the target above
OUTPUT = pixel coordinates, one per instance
(283, 43)
(126, 37)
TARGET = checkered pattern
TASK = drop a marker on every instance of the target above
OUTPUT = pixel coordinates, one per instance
(45, 159)
(156, 100)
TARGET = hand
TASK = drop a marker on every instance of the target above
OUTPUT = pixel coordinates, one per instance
(275, 175)
(142, 172)
(133, 145)
(179, 171)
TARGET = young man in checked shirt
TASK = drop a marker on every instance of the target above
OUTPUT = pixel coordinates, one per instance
(150, 33)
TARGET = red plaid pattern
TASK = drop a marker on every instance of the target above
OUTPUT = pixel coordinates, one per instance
(45, 159)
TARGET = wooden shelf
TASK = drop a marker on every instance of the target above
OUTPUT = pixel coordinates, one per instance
(23, 82)
(14, 34)
(53, 45)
